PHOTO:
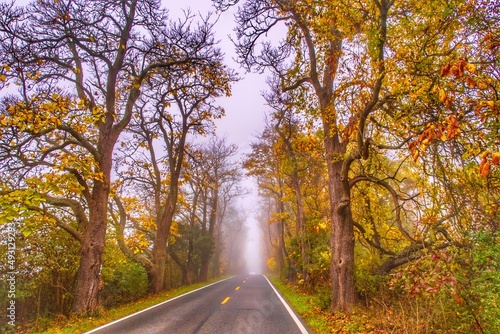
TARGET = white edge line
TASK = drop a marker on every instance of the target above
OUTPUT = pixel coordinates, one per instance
(288, 308)
(151, 307)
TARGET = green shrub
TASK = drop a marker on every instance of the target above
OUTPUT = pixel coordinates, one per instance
(124, 280)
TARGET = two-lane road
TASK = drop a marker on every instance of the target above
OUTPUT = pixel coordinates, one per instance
(241, 304)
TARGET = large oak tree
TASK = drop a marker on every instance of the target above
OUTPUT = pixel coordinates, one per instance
(80, 69)
(354, 64)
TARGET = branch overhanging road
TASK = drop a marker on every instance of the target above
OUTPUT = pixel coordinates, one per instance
(237, 305)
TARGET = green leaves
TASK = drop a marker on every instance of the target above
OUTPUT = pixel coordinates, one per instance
(24, 207)
(16, 204)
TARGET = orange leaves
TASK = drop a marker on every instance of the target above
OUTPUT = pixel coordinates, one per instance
(471, 83)
(445, 70)
(465, 88)
(486, 109)
(495, 157)
(484, 168)
(414, 150)
(458, 69)
(446, 130)
(491, 42)
(462, 70)
(488, 160)
(466, 72)
(452, 127)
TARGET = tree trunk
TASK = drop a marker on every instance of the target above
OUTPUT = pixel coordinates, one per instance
(184, 268)
(342, 235)
(301, 226)
(342, 265)
(219, 246)
(205, 259)
(88, 282)
(212, 220)
(157, 282)
(189, 265)
(216, 262)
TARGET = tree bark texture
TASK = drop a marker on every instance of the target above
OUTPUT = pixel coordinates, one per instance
(88, 283)
(342, 234)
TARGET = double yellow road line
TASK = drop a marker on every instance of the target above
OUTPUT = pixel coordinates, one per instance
(227, 298)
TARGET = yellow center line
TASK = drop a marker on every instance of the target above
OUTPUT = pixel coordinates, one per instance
(244, 281)
(225, 300)
(237, 288)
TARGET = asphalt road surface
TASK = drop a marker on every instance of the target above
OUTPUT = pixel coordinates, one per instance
(237, 305)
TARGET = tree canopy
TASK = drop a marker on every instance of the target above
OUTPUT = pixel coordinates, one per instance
(377, 168)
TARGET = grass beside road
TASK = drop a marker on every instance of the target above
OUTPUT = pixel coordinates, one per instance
(64, 325)
(314, 309)
(307, 306)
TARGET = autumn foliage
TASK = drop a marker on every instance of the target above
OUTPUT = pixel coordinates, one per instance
(378, 167)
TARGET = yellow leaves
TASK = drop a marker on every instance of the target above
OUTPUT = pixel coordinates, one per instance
(97, 110)
(137, 242)
(414, 150)
(482, 85)
(16, 203)
(98, 176)
(350, 129)
(271, 264)
(320, 226)
(174, 228)
(187, 176)
(82, 104)
(3, 75)
(4, 120)
(471, 68)
(35, 117)
(98, 114)
(32, 76)
(486, 110)
(445, 98)
(490, 105)
(442, 96)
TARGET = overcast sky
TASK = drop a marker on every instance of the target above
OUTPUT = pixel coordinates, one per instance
(245, 109)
